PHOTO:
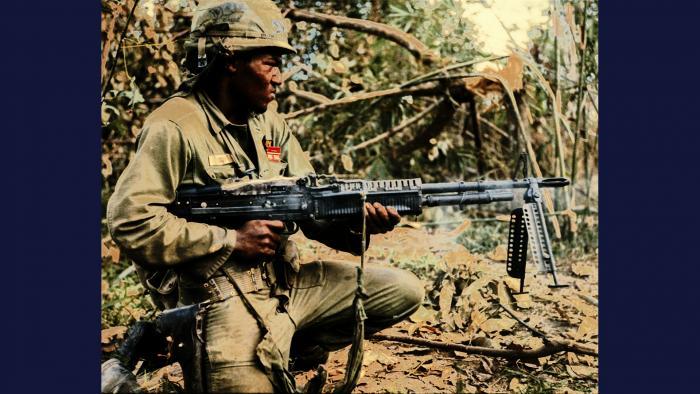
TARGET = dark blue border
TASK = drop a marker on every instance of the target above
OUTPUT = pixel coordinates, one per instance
(51, 90)
(649, 154)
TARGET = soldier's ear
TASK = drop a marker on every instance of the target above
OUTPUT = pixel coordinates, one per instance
(231, 63)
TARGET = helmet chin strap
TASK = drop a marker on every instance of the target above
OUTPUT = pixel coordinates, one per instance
(201, 52)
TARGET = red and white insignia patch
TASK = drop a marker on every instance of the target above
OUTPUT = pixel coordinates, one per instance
(273, 153)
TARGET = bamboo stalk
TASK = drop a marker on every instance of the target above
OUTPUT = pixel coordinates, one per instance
(559, 145)
(579, 101)
(586, 164)
(588, 189)
(549, 205)
(548, 89)
(478, 137)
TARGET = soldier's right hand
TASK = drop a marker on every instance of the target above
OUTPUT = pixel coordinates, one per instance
(258, 240)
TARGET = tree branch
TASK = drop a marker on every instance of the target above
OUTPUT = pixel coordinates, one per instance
(549, 348)
(496, 128)
(478, 137)
(393, 130)
(105, 83)
(456, 89)
(108, 42)
(391, 33)
(420, 90)
(311, 96)
(444, 70)
(443, 117)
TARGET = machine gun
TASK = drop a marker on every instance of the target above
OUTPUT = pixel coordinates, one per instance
(316, 197)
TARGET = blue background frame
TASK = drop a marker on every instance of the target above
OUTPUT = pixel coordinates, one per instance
(51, 74)
(648, 207)
(648, 158)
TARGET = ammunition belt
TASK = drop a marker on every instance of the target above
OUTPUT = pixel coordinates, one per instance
(250, 279)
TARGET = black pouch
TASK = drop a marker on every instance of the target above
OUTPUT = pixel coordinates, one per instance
(185, 326)
(161, 285)
(176, 335)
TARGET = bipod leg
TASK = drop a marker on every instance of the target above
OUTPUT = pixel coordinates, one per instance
(556, 284)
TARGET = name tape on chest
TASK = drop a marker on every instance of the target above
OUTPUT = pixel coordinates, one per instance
(220, 160)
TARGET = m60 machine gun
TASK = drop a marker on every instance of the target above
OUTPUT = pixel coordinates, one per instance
(326, 197)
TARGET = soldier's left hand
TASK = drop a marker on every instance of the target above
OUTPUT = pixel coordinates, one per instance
(381, 219)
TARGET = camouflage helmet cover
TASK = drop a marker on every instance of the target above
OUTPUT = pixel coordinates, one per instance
(240, 25)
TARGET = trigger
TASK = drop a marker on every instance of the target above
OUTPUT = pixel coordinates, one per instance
(290, 228)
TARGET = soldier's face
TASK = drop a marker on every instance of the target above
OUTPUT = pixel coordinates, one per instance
(256, 79)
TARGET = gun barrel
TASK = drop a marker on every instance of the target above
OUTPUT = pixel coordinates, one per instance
(467, 198)
(481, 186)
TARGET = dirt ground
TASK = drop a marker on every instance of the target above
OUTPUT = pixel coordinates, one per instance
(463, 292)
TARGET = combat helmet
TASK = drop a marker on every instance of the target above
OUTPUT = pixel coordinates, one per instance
(229, 26)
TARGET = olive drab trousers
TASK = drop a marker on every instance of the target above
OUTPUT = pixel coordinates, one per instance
(320, 311)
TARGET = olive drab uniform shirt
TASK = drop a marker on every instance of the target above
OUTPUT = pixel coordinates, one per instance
(187, 141)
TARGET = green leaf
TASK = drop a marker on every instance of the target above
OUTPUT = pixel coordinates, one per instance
(134, 94)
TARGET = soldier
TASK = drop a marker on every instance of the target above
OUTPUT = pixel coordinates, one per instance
(218, 127)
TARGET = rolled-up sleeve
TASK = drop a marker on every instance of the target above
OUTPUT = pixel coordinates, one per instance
(138, 219)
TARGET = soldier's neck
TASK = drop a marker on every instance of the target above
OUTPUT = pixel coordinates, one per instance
(235, 112)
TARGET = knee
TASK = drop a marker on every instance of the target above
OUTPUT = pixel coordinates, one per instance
(411, 290)
(402, 294)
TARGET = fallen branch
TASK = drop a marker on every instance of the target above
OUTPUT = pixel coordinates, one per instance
(549, 348)
(588, 299)
(536, 332)
(391, 33)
